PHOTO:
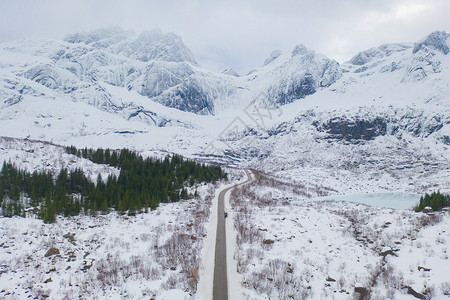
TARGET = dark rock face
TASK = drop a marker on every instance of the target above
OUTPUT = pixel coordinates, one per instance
(436, 41)
(192, 98)
(303, 87)
(356, 129)
(301, 75)
(417, 123)
(360, 59)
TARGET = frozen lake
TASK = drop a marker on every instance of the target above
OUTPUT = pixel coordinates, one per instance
(398, 200)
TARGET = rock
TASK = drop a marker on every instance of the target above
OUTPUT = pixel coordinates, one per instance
(411, 291)
(70, 237)
(354, 129)
(52, 251)
(268, 241)
(427, 209)
(389, 252)
(330, 279)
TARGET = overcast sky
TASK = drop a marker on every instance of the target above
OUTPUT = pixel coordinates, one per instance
(237, 34)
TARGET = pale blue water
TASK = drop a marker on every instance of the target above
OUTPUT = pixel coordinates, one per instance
(397, 200)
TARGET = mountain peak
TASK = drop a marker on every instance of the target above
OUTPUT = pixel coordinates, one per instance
(274, 55)
(149, 45)
(230, 72)
(154, 45)
(300, 50)
(437, 40)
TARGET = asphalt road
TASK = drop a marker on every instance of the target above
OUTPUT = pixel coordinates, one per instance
(220, 288)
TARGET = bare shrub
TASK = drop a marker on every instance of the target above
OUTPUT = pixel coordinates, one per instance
(171, 282)
(445, 288)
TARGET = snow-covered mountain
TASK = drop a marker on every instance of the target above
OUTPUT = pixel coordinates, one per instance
(155, 65)
(384, 107)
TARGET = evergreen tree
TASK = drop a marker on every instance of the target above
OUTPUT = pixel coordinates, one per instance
(104, 206)
(184, 194)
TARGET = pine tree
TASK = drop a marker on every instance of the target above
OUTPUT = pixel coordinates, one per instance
(104, 206)
(184, 194)
(94, 209)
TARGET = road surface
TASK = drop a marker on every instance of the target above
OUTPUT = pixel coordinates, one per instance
(220, 288)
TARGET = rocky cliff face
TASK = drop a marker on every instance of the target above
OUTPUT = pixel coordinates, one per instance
(300, 74)
(416, 123)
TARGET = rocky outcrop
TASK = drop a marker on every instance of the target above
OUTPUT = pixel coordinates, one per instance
(367, 126)
(354, 129)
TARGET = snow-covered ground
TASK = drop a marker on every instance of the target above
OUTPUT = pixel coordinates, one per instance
(152, 255)
(289, 248)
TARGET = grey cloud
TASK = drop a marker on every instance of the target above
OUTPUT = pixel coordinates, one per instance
(237, 34)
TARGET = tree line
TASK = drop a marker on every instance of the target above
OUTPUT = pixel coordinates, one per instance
(435, 200)
(141, 185)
